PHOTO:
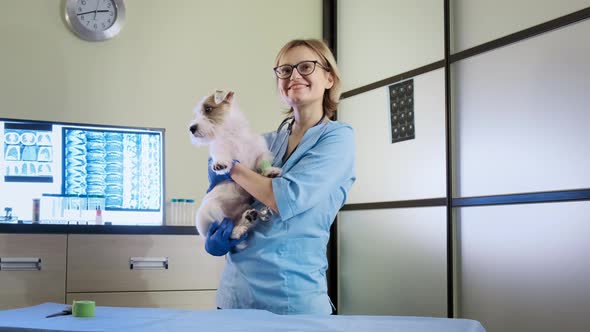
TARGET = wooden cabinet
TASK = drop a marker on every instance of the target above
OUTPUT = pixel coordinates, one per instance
(163, 271)
(170, 271)
(33, 269)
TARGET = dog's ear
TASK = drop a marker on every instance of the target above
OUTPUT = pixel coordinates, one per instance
(223, 96)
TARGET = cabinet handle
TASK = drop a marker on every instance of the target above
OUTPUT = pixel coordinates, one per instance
(20, 263)
(148, 263)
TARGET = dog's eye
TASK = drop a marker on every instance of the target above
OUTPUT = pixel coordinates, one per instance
(208, 109)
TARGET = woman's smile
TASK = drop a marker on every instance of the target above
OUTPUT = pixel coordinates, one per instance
(298, 86)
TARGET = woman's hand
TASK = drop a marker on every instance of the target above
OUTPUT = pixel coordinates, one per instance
(218, 242)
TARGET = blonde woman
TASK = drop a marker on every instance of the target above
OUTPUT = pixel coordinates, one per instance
(282, 268)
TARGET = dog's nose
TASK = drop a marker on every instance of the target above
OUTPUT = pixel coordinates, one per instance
(193, 128)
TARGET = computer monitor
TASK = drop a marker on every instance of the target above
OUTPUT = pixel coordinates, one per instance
(76, 169)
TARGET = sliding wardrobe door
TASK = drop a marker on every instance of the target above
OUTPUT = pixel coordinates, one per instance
(392, 262)
(476, 22)
(407, 170)
(521, 116)
(525, 267)
(392, 258)
(381, 38)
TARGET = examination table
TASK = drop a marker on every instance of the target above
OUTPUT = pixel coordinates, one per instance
(172, 320)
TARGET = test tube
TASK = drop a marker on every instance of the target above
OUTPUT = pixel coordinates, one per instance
(181, 211)
(36, 210)
(190, 216)
(62, 201)
(173, 211)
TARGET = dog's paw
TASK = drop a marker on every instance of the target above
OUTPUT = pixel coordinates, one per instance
(250, 215)
(249, 218)
(238, 231)
(221, 167)
(272, 172)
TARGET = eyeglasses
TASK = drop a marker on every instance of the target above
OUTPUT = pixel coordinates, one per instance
(304, 68)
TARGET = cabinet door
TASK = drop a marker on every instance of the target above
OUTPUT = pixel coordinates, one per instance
(119, 263)
(33, 269)
(195, 300)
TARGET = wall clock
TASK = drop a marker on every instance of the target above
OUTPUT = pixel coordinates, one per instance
(95, 20)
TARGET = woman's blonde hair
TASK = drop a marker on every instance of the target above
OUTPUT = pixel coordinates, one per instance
(332, 95)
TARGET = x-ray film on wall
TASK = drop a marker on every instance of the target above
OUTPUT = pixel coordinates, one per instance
(401, 105)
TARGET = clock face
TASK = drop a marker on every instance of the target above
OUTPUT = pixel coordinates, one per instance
(95, 20)
(96, 15)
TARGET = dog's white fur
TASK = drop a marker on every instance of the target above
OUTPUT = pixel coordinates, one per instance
(219, 124)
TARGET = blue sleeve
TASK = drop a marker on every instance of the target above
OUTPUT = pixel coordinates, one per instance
(326, 167)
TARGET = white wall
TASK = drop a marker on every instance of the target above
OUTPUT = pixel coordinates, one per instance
(168, 55)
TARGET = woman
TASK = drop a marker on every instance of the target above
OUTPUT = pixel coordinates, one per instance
(283, 267)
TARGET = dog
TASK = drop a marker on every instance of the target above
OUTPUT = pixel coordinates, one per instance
(220, 124)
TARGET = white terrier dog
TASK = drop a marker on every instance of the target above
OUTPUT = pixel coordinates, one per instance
(220, 124)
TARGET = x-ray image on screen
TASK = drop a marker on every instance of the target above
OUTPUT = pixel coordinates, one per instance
(73, 169)
(27, 152)
(122, 166)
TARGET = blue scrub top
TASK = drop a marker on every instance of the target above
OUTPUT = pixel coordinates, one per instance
(282, 269)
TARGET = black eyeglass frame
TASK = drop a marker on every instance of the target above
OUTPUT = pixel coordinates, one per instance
(294, 67)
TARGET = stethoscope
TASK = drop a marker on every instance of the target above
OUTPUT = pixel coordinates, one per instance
(265, 212)
(289, 121)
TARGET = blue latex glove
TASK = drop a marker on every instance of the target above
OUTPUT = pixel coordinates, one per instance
(214, 178)
(218, 242)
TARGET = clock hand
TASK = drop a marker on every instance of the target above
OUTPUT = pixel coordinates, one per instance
(95, 10)
(92, 11)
